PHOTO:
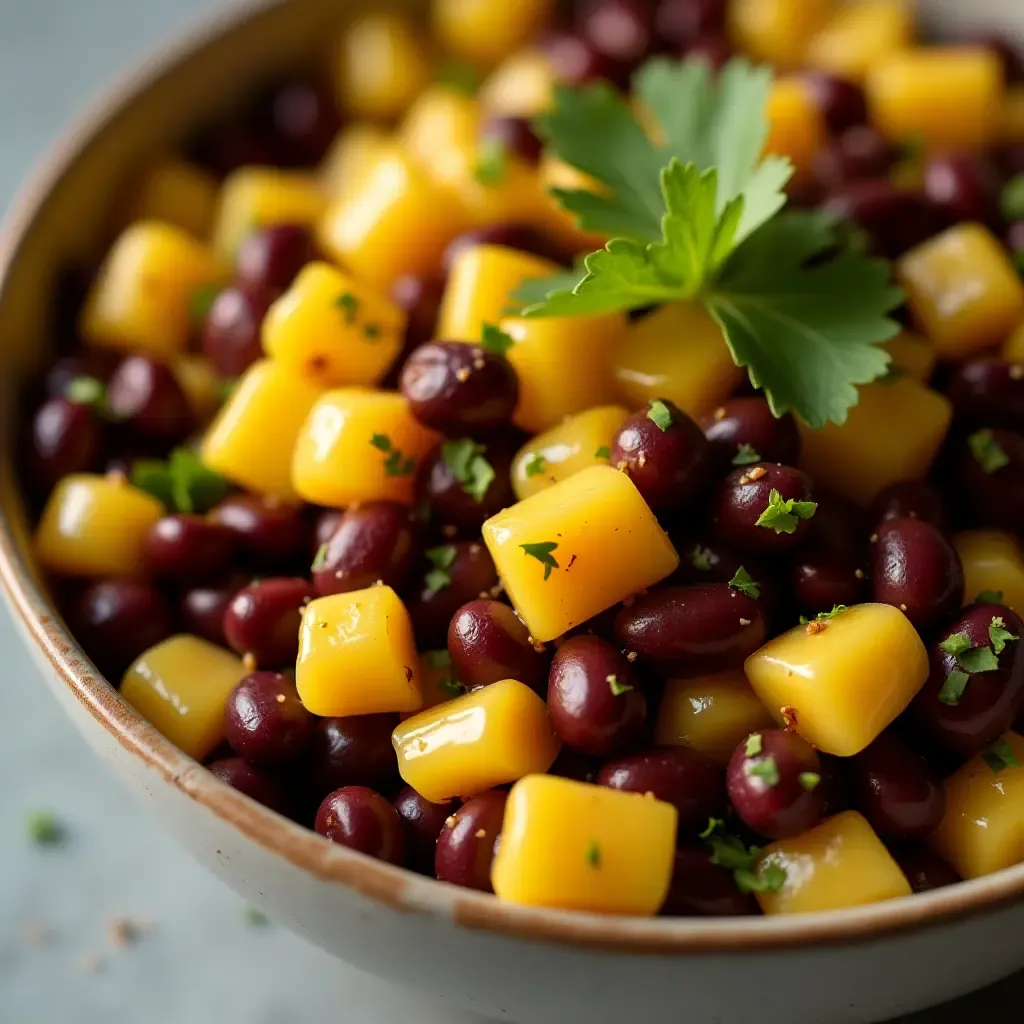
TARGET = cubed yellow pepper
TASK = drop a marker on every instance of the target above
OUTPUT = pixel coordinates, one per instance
(394, 221)
(1013, 348)
(381, 65)
(840, 863)
(523, 85)
(359, 445)
(582, 441)
(963, 290)
(333, 329)
(1011, 116)
(201, 383)
(711, 714)
(983, 828)
(776, 31)
(357, 655)
(486, 31)
(252, 440)
(912, 355)
(796, 127)
(892, 434)
(95, 526)
(480, 286)
(946, 96)
(841, 682)
(552, 218)
(487, 738)
(141, 299)
(440, 132)
(181, 687)
(859, 35)
(698, 375)
(260, 197)
(575, 846)
(506, 191)
(577, 548)
(992, 560)
(564, 365)
(178, 193)
(353, 153)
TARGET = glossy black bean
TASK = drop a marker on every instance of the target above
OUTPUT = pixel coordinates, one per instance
(916, 569)
(252, 781)
(460, 502)
(962, 186)
(352, 751)
(269, 534)
(594, 698)
(692, 630)
(264, 720)
(305, 122)
(837, 527)
(269, 260)
(488, 642)
(231, 332)
(65, 437)
(896, 220)
(419, 296)
(820, 580)
(422, 823)
(702, 889)
(362, 820)
(916, 499)
(990, 468)
(469, 840)
(841, 102)
(98, 363)
(744, 432)
(263, 620)
(860, 153)
(185, 546)
(988, 392)
(746, 516)
(202, 607)
(571, 764)
(925, 869)
(146, 398)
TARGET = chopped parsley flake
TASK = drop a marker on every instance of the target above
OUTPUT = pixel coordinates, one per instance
(396, 464)
(809, 780)
(660, 415)
(754, 745)
(953, 687)
(452, 687)
(592, 854)
(87, 391)
(349, 305)
(321, 557)
(618, 688)
(465, 458)
(182, 483)
(987, 452)
(494, 339)
(783, 515)
(371, 332)
(535, 465)
(764, 769)
(955, 643)
(492, 163)
(1000, 755)
(201, 302)
(254, 918)
(604, 452)
(442, 558)
(745, 583)
(1012, 199)
(989, 597)
(438, 659)
(701, 559)
(746, 455)
(999, 634)
(44, 829)
(770, 878)
(837, 609)
(460, 76)
(972, 659)
(542, 551)
(729, 852)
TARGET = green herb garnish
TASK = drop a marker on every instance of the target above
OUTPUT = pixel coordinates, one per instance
(745, 583)
(371, 332)
(971, 659)
(182, 483)
(987, 452)
(618, 688)
(396, 464)
(999, 634)
(783, 515)
(44, 829)
(438, 659)
(442, 558)
(765, 769)
(225, 388)
(770, 878)
(1000, 755)
(729, 852)
(1012, 199)
(492, 163)
(494, 339)
(746, 455)
(953, 687)
(87, 391)
(754, 745)
(535, 465)
(349, 305)
(989, 597)
(452, 686)
(837, 609)
(465, 458)
(701, 559)
(254, 918)
(604, 452)
(660, 415)
(809, 780)
(542, 551)
(592, 854)
(201, 302)
(460, 76)
(320, 560)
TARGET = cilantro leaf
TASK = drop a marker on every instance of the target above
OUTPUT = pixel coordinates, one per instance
(955, 643)
(459, 76)
(1000, 755)
(465, 459)
(438, 659)
(535, 290)
(201, 302)
(452, 686)
(492, 163)
(542, 551)
(989, 597)
(535, 465)
(1012, 199)
(701, 560)
(783, 515)
(746, 455)
(837, 609)
(730, 853)
(809, 780)
(604, 452)
(979, 659)
(745, 583)
(494, 339)
(320, 560)
(44, 829)
(182, 483)
(660, 415)
(592, 854)
(770, 878)
(765, 769)
(999, 634)
(953, 687)
(618, 688)
(987, 451)
(349, 305)
(87, 391)
(442, 558)
(754, 745)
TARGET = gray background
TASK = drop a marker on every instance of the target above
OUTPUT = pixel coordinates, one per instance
(199, 961)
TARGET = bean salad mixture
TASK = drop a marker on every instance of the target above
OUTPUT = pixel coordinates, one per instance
(575, 451)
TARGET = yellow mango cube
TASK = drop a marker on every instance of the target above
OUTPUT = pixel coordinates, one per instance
(575, 846)
(260, 197)
(841, 685)
(371, 228)
(95, 526)
(859, 35)
(650, 362)
(946, 96)
(487, 738)
(352, 154)
(992, 560)
(178, 193)
(480, 286)
(523, 85)
(1013, 348)
(912, 355)
(577, 548)
(359, 445)
(554, 382)
(140, 301)
(486, 31)
(796, 127)
(892, 434)
(508, 191)
(252, 440)
(333, 329)
(552, 218)
(582, 441)
(711, 714)
(440, 132)
(983, 828)
(181, 687)
(357, 655)
(840, 863)
(776, 31)
(963, 290)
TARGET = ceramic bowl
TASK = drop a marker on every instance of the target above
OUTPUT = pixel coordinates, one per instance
(515, 964)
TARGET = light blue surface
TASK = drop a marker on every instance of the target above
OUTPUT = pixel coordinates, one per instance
(200, 963)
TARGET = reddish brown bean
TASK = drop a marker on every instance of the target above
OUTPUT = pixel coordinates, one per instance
(352, 751)
(269, 534)
(702, 889)
(468, 841)
(422, 823)
(188, 547)
(264, 720)
(764, 508)
(263, 619)
(252, 781)
(146, 398)
(488, 642)
(744, 432)
(458, 490)
(362, 820)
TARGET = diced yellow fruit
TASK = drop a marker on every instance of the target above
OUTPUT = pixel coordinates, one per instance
(178, 193)
(440, 132)
(992, 560)
(480, 287)
(370, 230)
(912, 355)
(963, 290)
(576, 444)
(353, 153)
(945, 96)
(841, 863)
(552, 218)
(892, 434)
(607, 545)
(381, 66)
(983, 827)
(796, 127)
(677, 353)
(840, 686)
(333, 329)
(1011, 116)
(181, 687)
(140, 302)
(359, 445)
(260, 197)
(95, 526)
(522, 86)
(486, 31)
(776, 31)
(252, 440)
(711, 714)
(1013, 348)
(554, 382)
(201, 383)
(575, 846)
(357, 655)
(512, 195)
(487, 738)
(859, 35)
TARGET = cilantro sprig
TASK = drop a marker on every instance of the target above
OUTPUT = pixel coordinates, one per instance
(465, 458)
(783, 515)
(182, 483)
(749, 872)
(396, 464)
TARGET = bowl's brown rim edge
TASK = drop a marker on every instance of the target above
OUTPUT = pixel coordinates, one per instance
(395, 887)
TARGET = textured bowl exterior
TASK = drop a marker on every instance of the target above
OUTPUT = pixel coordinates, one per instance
(516, 964)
